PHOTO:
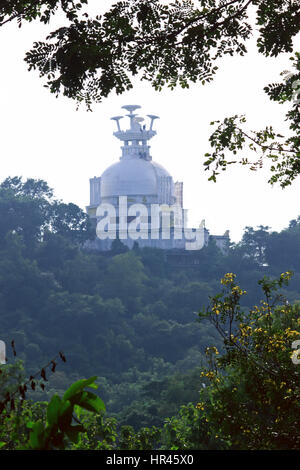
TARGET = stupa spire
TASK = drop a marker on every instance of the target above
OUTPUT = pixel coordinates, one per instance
(136, 137)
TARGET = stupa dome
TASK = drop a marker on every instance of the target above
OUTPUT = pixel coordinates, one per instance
(134, 176)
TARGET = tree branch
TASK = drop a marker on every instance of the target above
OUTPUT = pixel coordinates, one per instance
(261, 145)
(215, 10)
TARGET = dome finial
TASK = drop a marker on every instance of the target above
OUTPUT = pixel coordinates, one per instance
(152, 117)
(136, 137)
(131, 115)
(131, 107)
(117, 119)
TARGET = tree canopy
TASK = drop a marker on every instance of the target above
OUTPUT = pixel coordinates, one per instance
(129, 316)
(30, 210)
(170, 44)
(139, 332)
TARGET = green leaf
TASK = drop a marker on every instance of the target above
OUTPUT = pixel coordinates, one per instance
(91, 402)
(37, 436)
(78, 386)
(65, 414)
(73, 432)
(30, 424)
(53, 410)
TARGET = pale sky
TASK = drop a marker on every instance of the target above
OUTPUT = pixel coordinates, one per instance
(45, 137)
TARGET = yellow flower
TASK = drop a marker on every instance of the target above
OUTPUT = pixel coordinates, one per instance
(290, 332)
(228, 278)
(287, 275)
(200, 406)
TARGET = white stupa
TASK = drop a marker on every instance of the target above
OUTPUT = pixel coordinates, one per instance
(140, 180)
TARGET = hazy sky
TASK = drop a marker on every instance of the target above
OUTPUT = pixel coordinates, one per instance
(45, 137)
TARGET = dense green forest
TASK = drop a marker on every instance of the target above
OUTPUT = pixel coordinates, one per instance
(186, 356)
(129, 317)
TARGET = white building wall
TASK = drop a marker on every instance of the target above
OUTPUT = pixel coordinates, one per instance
(165, 190)
(179, 193)
(95, 191)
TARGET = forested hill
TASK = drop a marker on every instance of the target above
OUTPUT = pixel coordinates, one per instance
(129, 317)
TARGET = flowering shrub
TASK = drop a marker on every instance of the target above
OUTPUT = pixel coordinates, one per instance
(252, 400)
